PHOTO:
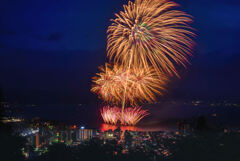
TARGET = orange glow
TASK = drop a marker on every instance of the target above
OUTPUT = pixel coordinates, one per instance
(106, 127)
(150, 33)
(142, 85)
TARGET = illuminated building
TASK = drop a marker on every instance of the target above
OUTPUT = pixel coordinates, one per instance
(109, 135)
(68, 137)
(37, 140)
(10, 120)
(84, 134)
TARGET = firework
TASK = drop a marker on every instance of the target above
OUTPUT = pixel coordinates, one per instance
(145, 42)
(131, 116)
(142, 85)
(105, 84)
(150, 33)
(110, 115)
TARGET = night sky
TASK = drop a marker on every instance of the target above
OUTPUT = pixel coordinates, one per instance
(49, 50)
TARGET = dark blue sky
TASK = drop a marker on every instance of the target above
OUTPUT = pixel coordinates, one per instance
(49, 50)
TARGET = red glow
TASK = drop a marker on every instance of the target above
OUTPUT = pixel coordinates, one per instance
(131, 116)
(106, 127)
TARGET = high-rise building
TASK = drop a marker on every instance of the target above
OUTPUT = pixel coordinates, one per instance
(37, 140)
(84, 134)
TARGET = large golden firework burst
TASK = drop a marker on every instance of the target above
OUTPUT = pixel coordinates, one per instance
(151, 33)
(142, 84)
(145, 43)
(106, 85)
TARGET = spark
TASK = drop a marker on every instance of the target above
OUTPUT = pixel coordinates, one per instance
(131, 116)
(142, 85)
(151, 33)
(110, 115)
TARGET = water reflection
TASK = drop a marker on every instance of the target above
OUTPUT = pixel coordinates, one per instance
(106, 127)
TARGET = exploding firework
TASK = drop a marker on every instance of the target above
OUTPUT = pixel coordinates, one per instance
(142, 85)
(145, 42)
(151, 33)
(110, 115)
(131, 116)
(105, 84)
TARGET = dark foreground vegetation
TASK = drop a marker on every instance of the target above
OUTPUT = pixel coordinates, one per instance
(196, 147)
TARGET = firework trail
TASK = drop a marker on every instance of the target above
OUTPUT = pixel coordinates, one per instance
(106, 85)
(110, 115)
(143, 84)
(145, 42)
(150, 33)
(131, 116)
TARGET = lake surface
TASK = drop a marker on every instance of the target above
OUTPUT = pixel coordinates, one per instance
(162, 116)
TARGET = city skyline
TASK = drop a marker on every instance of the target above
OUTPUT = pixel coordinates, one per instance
(120, 80)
